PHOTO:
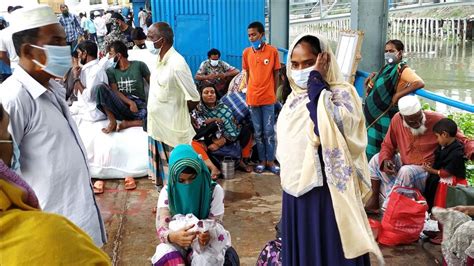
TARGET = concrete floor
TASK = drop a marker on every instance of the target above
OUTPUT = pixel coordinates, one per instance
(252, 208)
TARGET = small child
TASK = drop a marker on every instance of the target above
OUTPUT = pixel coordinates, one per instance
(448, 168)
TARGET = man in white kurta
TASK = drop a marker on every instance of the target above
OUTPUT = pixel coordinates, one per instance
(171, 88)
(52, 157)
(90, 75)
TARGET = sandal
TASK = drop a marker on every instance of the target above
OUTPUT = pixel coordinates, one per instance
(274, 169)
(259, 169)
(130, 183)
(244, 167)
(98, 187)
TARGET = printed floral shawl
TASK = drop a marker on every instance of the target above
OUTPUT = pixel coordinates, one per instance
(343, 139)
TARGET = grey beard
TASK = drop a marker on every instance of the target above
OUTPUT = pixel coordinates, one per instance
(417, 131)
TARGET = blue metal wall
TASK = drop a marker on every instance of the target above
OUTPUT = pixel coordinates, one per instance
(200, 25)
(136, 8)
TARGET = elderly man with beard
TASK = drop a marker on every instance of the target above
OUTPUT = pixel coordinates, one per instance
(409, 144)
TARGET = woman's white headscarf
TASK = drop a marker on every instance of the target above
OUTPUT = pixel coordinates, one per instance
(343, 139)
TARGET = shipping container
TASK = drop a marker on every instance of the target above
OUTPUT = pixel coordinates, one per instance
(200, 25)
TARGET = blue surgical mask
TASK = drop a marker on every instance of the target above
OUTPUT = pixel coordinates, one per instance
(15, 163)
(15, 160)
(58, 59)
(111, 63)
(257, 44)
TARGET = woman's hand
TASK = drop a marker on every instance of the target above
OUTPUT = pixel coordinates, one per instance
(204, 238)
(367, 81)
(211, 120)
(322, 64)
(183, 237)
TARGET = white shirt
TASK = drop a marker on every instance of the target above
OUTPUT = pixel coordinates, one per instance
(52, 156)
(6, 45)
(171, 86)
(142, 15)
(92, 74)
(83, 22)
(100, 26)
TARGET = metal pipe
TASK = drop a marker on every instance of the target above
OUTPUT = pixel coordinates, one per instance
(432, 96)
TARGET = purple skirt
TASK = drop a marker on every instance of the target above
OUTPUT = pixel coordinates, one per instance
(309, 231)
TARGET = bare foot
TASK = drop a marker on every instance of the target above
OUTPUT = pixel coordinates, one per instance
(126, 124)
(110, 128)
(373, 204)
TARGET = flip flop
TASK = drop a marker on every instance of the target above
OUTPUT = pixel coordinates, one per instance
(130, 183)
(274, 169)
(259, 169)
(98, 187)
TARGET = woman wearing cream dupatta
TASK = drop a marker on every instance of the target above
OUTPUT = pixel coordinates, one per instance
(321, 148)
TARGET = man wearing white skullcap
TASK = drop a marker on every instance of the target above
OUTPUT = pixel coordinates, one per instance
(409, 105)
(52, 157)
(409, 144)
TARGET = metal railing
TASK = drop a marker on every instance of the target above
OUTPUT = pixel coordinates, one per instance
(318, 9)
(362, 75)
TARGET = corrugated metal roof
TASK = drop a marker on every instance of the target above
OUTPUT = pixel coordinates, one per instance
(200, 25)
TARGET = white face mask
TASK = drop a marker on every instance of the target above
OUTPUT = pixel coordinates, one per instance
(58, 59)
(214, 62)
(150, 45)
(300, 77)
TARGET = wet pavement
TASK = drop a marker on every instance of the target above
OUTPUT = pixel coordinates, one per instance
(252, 208)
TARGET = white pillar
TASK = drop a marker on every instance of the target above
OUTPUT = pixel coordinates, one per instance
(407, 26)
(436, 27)
(464, 31)
(453, 27)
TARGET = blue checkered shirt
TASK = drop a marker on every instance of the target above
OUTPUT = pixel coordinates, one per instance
(71, 27)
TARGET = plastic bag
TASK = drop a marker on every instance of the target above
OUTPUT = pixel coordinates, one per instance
(212, 254)
(404, 217)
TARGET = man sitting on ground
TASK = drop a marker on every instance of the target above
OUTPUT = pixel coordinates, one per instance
(126, 99)
(411, 134)
(85, 81)
(215, 72)
(138, 37)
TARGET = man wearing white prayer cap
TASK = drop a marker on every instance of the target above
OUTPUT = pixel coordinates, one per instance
(52, 158)
(409, 144)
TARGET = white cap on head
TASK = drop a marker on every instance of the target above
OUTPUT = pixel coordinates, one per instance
(32, 17)
(96, 13)
(409, 105)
